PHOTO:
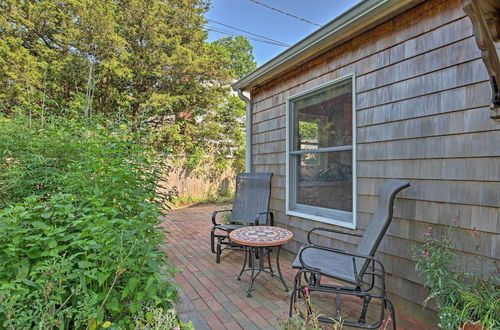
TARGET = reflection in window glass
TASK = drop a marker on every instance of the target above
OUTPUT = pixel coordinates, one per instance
(324, 119)
(308, 134)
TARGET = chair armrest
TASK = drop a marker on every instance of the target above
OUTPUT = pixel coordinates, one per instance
(348, 253)
(214, 215)
(331, 231)
(271, 218)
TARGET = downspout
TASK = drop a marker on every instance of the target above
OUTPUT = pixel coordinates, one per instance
(248, 147)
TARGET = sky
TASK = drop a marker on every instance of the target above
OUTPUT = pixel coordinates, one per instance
(252, 17)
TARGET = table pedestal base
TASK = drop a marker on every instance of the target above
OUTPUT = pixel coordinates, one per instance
(250, 256)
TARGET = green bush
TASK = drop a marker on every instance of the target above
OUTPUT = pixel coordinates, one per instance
(79, 226)
(34, 160)
(461, 296)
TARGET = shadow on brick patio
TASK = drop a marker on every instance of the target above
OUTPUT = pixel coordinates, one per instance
(210, 295)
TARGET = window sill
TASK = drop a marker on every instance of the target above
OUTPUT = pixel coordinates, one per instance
(323, 219)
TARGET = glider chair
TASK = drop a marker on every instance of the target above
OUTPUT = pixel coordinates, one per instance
(359, 272)
(250, 207)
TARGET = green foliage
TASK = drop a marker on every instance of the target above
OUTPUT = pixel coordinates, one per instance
(238, 53)
(308, 131)
(79, 230)
(210, 198)
(142, 56)
(217, 140)
(159, 319)
(482, 302)
(461, 297)
(222, 134)
(148, 60)
(33, 161)
(436, 261)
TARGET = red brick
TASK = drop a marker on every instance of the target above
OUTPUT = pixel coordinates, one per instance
(191, 294)
(232, 325)
(214, 305)
(206, 295)
(264, 312)
(241, 318)
(200, 304)
(188, 246)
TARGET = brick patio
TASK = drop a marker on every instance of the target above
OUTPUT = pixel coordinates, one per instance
(210, 295)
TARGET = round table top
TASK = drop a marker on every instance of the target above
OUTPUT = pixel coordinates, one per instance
(261, 236)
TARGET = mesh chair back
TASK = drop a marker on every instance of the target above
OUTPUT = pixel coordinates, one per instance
(253, 191)
(379, 222)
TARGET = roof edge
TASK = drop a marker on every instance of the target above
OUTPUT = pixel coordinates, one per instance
(363, 15)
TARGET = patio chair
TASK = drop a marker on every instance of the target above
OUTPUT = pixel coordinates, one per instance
(357, 270)
(250, 207)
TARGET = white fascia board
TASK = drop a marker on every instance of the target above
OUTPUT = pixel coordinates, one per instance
(349, 24)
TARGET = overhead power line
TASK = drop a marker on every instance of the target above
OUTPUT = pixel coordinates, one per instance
(253, 34)
(285, 13)
(235, 34)
(226, 32)
(245, 36)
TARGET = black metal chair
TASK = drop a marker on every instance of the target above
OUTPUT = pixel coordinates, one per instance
(250, 207)
(357, 270)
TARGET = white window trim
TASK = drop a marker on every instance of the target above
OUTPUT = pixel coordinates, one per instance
(336, 219)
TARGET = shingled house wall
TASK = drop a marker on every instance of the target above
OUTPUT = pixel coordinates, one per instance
(422, 111)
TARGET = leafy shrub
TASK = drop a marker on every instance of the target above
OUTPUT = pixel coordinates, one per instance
(461, 297)
(79, 229)
(159, 319)
(34, 161)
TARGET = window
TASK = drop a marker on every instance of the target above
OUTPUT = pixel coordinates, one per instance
(321, 178)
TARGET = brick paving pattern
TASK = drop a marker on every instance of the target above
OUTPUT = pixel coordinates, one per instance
(210, 295)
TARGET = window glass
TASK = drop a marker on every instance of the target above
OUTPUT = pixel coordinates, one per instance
(325, 179)
(324, 119)
(320, 153)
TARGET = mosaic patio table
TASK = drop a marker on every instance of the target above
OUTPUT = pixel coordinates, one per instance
(258, 241)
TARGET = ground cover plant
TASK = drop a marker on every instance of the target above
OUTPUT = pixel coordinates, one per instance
(79, 236)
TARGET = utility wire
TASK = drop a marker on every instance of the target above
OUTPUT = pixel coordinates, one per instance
(234, 33)
(226, 32)
(285, 13)
(237, 29)
(262, 38)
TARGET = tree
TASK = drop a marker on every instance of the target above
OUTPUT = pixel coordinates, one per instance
(146, 60)
(239, 53)
(223, 135)
(143, 57)
(221, 132)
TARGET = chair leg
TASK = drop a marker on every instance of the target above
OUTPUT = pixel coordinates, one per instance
(212, 239)
(392, 312)
(219, 251)
(293, 296)
(306, 279)
(366, 302)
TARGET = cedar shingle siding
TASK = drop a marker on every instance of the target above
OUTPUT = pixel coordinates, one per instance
(422, 114)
